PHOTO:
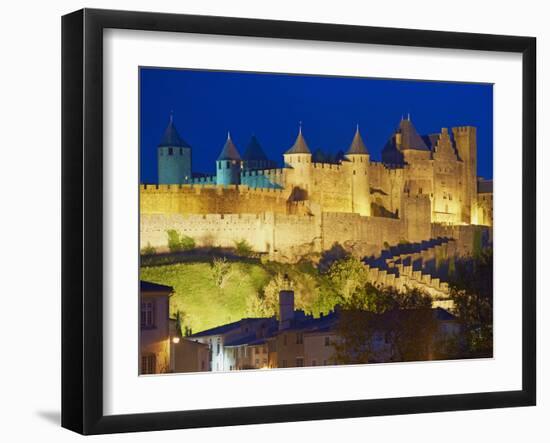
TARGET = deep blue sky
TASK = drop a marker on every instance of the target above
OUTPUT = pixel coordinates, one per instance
(206, 104)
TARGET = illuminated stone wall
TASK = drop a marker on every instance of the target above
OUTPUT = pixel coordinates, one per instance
(210, 199)
(308, 207)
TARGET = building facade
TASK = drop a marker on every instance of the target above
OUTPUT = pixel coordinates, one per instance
(154, 347)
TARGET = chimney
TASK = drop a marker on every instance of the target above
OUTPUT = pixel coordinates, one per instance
(286, 308)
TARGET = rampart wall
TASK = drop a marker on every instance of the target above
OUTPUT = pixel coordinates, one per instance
(330, 187)
(210, 199)
(468, 237)
(285, 237)
(209, 230)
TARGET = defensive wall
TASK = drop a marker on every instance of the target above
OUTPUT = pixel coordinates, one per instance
(284, 237)
(211, 199)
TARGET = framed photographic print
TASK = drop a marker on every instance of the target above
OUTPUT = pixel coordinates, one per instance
(269, 221)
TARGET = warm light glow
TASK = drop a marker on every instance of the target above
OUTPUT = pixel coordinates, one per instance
(175, 340)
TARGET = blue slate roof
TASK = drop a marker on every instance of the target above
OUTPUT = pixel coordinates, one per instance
(229, 151)
(247, 340)
(147, 286)
(357, 145)
(410, 139)
(226, 328)
(171, 137)
(484, 186)
(254, 150)
(300, 145)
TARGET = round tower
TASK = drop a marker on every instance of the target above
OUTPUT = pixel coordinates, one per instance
(298, 157)
(174, 157)
(228, 164)
(358, 157)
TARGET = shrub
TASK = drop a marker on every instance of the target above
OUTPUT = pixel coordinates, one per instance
(148, 250)
(187, 243)
(243, 248)
(177, 242)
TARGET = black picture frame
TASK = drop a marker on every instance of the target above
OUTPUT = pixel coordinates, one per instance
(82, 215)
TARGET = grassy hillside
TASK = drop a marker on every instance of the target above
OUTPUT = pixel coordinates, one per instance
(205, 303)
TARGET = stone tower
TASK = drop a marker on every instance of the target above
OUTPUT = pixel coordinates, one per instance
(358, 157)
(466, 145)
(298, 158)
(228, 164)
(174, 157)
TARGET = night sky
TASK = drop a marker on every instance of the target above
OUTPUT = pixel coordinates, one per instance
(206, 104)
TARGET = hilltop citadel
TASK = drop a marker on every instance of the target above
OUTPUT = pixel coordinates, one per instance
(425, 188)
(408, 218)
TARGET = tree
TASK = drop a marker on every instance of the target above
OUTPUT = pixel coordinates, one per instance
(472, 293)
(378, 324)
(221, 271)
(411, 333)
(347, 276)
(356, 329)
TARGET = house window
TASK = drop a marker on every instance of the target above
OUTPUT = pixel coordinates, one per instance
(299, 338)
(170, 151)
(148, 314)
(299, 362)
(148, 364)
(327, 341)
(218, 347)
(420, 191)
(284, 363)
(257, 362)
(313, 362)
(181, 151)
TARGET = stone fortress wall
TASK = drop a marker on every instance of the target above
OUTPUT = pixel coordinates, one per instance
(308, 206)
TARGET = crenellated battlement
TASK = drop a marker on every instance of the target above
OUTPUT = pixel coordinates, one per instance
(330, 166)
(197, 188)
(464, 129)
(266, 172)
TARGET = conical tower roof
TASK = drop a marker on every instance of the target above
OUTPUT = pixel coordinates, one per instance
(357, 145)
(254, 150)
(229, 151)
(171, 138)
(409, 136)
(300, 145)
